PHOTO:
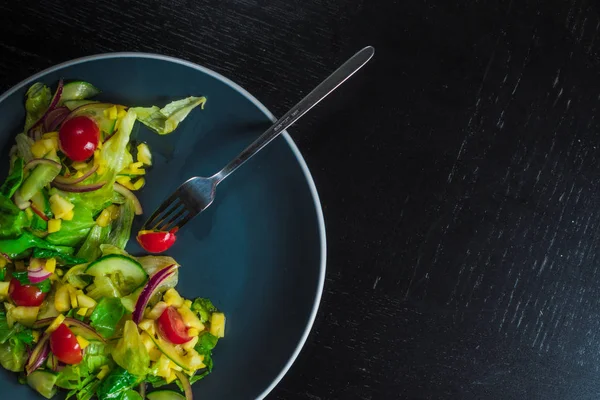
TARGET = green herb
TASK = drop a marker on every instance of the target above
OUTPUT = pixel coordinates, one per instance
(204, 308)
(206, 343)
(64, 259)
(106, 316)
(115, 383)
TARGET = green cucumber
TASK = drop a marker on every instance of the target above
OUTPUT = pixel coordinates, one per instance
(96, 112)
(170, 351)
(43, 382)
(78, 90)
(73, 104)
(42, 175)
(164, 395)
(127, 273)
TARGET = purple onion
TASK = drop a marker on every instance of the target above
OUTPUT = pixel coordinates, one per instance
(78, 188)
(185, 383)
(82, 327)
(36, 131)
(129, 194)
(153, 283)
(55, 118)
(38, 355)
(38, 161)
(71, 181)
(38, 275)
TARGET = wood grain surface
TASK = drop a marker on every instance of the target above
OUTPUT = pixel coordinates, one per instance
(458, 173)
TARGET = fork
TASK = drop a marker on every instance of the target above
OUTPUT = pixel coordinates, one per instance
(198, 193)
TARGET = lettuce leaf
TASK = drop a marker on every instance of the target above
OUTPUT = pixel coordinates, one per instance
(36, 104)
(117, 382)
(130, 353)
(106, 316)
(165, 120)
(12, 220)
(14, 180)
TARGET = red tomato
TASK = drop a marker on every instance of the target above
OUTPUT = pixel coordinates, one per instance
(156, 241)
(79, 138)
(64, 345)
(172, 328)
(25, 295)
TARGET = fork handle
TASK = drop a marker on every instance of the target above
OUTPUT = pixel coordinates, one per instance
(312, 99)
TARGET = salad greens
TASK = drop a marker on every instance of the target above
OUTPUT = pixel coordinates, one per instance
(77, 312)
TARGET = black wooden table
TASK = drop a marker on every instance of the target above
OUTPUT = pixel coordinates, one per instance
(458, 173)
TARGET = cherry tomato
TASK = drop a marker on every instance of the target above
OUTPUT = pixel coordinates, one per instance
(25, 295)
(171, 326)
(64, 345)
(79, 138)
(156, 241)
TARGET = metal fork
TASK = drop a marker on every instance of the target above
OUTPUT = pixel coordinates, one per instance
(197, 193)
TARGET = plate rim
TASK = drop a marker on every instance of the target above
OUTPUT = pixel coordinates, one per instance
(290, 142)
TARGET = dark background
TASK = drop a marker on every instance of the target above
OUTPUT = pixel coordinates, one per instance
(458, 175)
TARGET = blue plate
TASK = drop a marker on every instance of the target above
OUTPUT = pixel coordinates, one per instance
(258, 251)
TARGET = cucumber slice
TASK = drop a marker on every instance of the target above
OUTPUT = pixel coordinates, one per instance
(43, 382)
(41, 176)
(96, 112)
(73, 104)
(78, 90)
(165, 395)
(126, 273)
(170, 351)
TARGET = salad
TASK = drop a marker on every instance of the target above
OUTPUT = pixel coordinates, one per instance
(76, 311)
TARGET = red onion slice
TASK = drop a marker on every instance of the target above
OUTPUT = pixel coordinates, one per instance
(80, 327)
(39, 161)
(55, 118)
(71, 181)
(36, 131)
(129, 194)
(156, 279)
(38, 275)
(78, 188)
(38, 355)
(185, 383)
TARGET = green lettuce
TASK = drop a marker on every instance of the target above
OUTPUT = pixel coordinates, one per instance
(13, 354)
(165, 120)
(75, 231)
(130, 353)
(36, 104)
(90, 249)
(14, 247)
(116, 383)
(14, 180)
(106, 316)
(12, 220)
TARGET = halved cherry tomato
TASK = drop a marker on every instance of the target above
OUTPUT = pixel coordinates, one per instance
(25, 295)
(79, 137)
(64, 345)
(172, 328)
(156, 241)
